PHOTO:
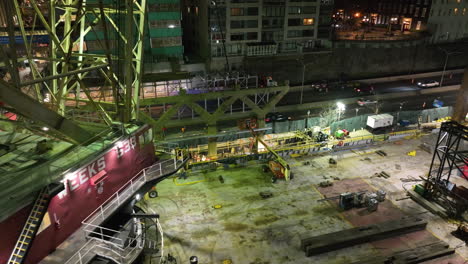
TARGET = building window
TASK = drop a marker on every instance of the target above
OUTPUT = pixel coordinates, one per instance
(169, 7)
(464, 11)
(440, 12)
(418, 25)
(237, 36)
(252, 11)
(300, 33)
(294, 22)
(244, 24)
(308, 21)
(294, 33)
(294, 10)
(244, 36)
(307, 33)
(455, 11)
(416, 12)
(449, 12)
(252, 35)
(270, 11)
(424, 11)
(273, 23)
(237, 11)
(166, 42)
(164, 23)
(309, 10)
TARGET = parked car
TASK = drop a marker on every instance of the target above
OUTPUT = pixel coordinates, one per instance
(364, 90)
(276, 117)
(362, 102)
(429, 83)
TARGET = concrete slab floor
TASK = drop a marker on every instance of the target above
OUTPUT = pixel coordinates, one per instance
(251, 230)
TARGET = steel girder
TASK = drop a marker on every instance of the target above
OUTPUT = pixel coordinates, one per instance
(69, 59)
(228, 98)
(32, 109)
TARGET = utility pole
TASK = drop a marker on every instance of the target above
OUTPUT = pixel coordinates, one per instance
(304, 65)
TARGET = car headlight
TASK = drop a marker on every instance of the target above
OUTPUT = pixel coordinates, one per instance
(419, 83)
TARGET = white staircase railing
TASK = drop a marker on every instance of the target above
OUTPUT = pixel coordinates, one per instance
(103, 241)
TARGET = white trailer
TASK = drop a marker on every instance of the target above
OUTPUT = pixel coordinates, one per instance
(379, 121)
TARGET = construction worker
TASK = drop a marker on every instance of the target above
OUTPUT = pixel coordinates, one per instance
(182, 130)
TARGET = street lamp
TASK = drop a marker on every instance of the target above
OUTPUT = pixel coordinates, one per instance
(304, 65)
(340, 108)
(447, 54)
(398, 114)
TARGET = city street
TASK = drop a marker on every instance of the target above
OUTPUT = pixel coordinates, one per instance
(383, 90)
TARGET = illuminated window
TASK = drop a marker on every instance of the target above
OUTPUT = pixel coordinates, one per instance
(464, 11)
(196, 10)
(418, 25)
(237, 11)
(455, 11)
(308, 21)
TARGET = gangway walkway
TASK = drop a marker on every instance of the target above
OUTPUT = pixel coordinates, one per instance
(90, 239)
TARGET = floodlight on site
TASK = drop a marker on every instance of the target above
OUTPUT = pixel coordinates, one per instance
(341, 106)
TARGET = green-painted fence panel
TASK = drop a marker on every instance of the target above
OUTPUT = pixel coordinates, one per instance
(165, 32)
(168, 51)
(164, 16)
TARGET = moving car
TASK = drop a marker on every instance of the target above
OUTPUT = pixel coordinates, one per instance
(362, 89)
(276, 117)
(362, 102)
(429, 83)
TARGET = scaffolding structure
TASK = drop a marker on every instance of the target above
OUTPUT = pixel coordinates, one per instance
(450, 156)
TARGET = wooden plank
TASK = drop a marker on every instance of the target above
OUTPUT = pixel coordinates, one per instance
(358, 235)
(413, 255)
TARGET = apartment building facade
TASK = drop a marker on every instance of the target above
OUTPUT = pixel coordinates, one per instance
(239, 28)
(406, 14)
(448, 20)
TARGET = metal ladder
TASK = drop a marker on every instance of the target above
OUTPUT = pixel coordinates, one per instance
(30, 228)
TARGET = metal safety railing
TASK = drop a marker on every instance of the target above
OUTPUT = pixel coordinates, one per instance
(128, 189)
(286, 144)
(95, 246)
(110, 243)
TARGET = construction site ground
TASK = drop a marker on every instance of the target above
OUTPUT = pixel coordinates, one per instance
(249, 229)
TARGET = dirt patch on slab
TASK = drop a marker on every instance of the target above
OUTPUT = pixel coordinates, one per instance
(267, 219)
(235, 227)
(204, 233)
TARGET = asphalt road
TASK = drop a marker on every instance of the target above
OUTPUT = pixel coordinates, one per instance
(336, 93)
